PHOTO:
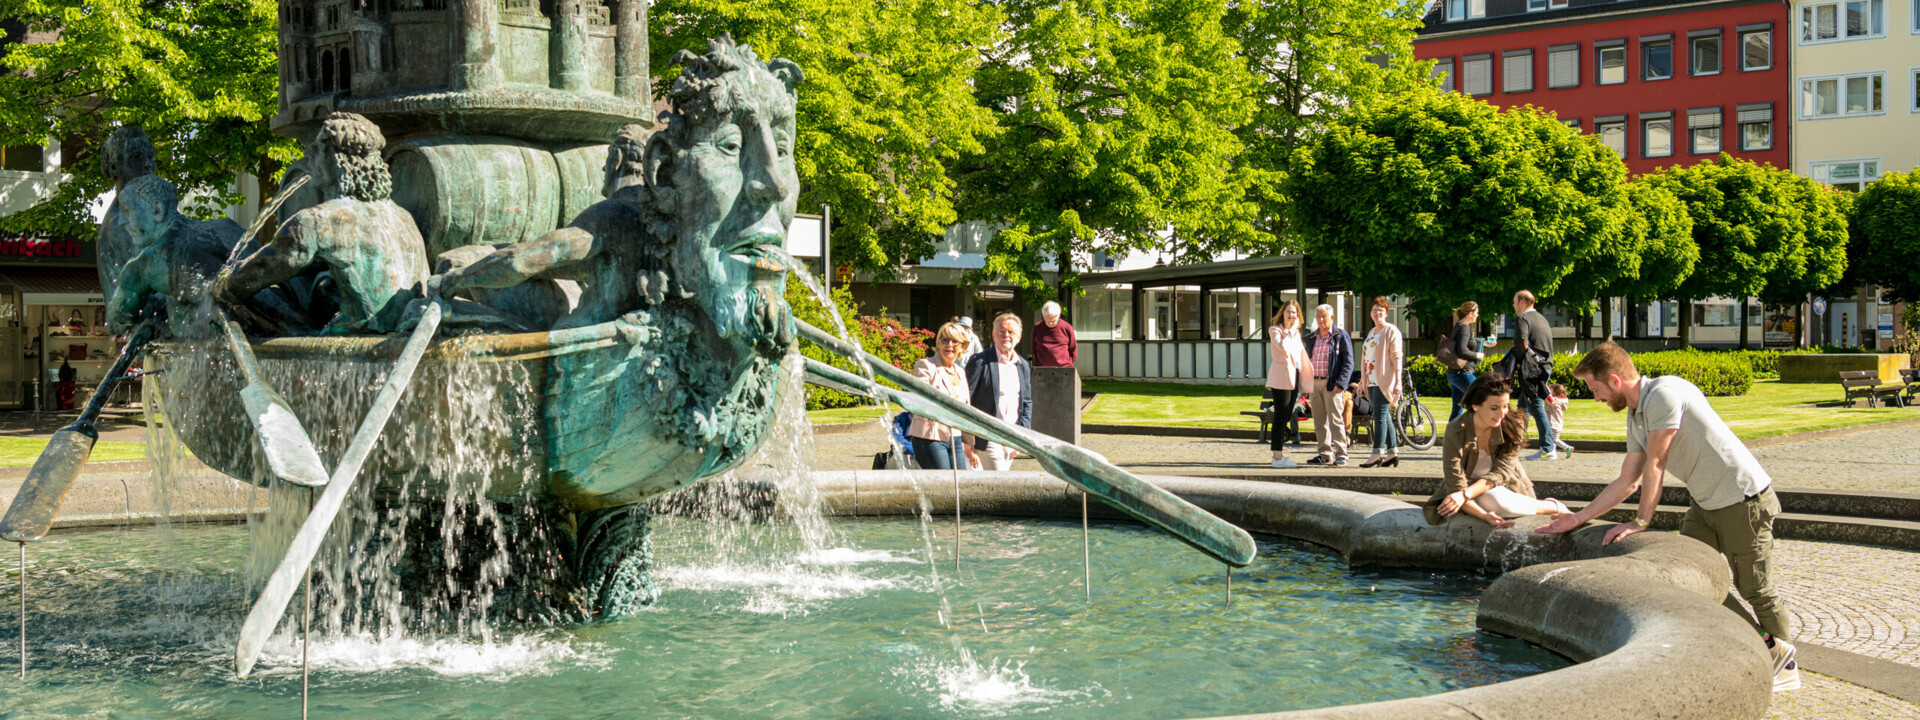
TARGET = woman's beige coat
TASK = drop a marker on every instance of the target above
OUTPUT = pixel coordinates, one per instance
(1458, 454)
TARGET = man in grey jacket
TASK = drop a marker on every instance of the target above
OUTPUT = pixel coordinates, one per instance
(1533, 339)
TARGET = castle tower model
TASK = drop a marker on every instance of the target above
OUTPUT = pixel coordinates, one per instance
(496, 112)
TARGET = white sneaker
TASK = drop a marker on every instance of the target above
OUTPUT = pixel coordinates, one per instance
(1786, 669)
(1285, 464)
(1544, 456)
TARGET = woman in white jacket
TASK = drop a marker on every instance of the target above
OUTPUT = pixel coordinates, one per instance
(1290, 373)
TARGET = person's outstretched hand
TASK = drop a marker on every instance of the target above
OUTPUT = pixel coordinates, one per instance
(1561, 522)
(1451, 503)
(1619, 532)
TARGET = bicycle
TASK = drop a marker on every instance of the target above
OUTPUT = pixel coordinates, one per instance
(1413, 423)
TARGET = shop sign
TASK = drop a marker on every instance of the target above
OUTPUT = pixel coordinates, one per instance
(40, 249)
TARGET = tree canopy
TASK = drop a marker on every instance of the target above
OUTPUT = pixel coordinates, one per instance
(886, 112)
(1443, 199)
(1117, 121)
(200, 76)
(1312, 61)
(1885, 227)
(1748, 219)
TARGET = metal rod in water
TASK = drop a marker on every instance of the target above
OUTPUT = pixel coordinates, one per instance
(1086, 548)
(23, 611)
(1229, 586)
(956, 513)
(306, 623)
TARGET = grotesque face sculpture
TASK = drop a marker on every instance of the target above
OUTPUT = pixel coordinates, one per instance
(722, 171)
(344, 159)
(128, 154)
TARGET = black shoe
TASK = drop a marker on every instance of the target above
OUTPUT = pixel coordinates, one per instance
(1372, 463)
(1391, 462)
(1319, 460)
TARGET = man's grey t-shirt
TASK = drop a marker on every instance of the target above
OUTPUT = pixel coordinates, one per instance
(1718, 469)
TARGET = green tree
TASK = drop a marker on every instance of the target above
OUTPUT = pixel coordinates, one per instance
(1885, 226)
(1117, 121)
(1748, 221)
(1444, 199)
(1312, 60)
(886, 111)
(201, 77)
(1648, 260)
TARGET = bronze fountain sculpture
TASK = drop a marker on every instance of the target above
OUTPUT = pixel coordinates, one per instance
(626, 320)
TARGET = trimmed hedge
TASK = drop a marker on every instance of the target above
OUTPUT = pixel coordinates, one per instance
(1766, 363)
(1719, 374)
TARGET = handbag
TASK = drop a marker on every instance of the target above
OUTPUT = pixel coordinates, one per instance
(1448, 358)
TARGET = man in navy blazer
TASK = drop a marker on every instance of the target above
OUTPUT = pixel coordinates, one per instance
(1331, 351)
(985, 371)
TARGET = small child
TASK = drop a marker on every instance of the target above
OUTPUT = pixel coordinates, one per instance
(1556, 410)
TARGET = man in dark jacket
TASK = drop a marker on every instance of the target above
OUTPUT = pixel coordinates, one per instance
(1532, 368)
(1331, 351)
(1001, 384)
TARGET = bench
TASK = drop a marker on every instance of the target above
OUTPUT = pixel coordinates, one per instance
(1866, 383)
(1266, 417)
(1911, 377)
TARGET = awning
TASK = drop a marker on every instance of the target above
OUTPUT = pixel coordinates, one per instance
(56, 285)
(1272, 271)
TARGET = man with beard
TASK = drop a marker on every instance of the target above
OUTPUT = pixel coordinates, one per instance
(1671, 428)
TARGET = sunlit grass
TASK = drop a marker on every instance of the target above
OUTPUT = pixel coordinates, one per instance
(1770, 408)
(19, 451)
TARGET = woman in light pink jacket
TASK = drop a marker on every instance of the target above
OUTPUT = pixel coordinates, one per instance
(1382, 358)
(1290, 373)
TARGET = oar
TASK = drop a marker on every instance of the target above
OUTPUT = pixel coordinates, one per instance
(290, 452)
(299, 558)
(46, 486)
(1082, 469)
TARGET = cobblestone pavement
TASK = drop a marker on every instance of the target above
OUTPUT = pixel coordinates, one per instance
(1846, 597)
(1820, 696)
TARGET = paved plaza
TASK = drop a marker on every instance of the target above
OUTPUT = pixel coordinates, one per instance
(1860, 599)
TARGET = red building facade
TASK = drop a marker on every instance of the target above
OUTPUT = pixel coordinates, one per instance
(1663, 82)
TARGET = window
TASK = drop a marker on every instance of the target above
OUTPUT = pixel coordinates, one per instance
(1703, 52)
(1756, 126)
(23, 158)
(1656, 134)
(1703, 130)
(1610, 60)
(1516, 71)
(1477, 78)
(1846, 20)
(1572, 123)
(1563, 66)
(1841, 96)
(1845, 174)
(1456, 9)
(1915, 87)
(1536, 5)
(1478, 8)
(1656, 57)
(1612, 132)
(1756, 48)
(1443, 71)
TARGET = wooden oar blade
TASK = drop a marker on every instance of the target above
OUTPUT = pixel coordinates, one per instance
(1078, 467)
(290, 453)
(285, 579)
(46, 486)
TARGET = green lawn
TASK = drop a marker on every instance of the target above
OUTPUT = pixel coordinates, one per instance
(844, 415)
(1769, 409)
(19, 451)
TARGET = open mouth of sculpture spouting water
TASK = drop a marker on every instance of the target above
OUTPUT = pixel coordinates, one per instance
(761, 252)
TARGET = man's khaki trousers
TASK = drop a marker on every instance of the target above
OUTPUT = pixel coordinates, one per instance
(1743, 533)
(1329, 421)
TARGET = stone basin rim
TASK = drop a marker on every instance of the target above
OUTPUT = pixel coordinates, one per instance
(1642, 618)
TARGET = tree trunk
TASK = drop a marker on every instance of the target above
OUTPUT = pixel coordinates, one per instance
(1686, 322)
(1606, 318)
(1063, 295)
(1743, 322)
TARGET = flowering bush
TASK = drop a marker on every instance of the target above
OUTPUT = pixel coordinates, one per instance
(881, 336)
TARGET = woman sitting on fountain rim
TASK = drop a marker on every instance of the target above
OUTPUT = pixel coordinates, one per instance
(936, 446)
(1480, 459)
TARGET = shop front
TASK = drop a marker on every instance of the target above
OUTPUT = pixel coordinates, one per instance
(53, 319)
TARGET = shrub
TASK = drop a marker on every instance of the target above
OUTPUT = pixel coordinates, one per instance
(881, 336)
(1719, 374)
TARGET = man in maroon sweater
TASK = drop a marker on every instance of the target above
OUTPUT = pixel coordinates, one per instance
(1053, 342)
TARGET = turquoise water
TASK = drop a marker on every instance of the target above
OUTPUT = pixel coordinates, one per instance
(137, 624)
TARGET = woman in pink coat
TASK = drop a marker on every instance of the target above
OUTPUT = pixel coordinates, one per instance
(1290, 373)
